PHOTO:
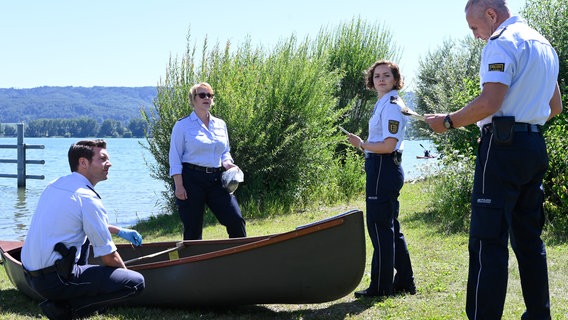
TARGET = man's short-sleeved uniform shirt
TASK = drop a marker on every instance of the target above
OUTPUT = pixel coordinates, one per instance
(519, 57)
(387, 120)
(68, 211)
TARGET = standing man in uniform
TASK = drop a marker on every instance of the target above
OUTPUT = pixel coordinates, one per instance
(69, 217)
(518, 72)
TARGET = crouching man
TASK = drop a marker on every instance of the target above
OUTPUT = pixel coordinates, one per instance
(68, 219)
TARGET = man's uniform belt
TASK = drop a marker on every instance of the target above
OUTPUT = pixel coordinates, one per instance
(41, 272)
(517, 127)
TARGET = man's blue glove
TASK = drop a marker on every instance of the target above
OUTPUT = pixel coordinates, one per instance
(130, 235)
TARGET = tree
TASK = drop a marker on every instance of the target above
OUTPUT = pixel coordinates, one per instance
(85, 127)
(550, 17)
(282, 112)
(110, 128)
(447, 80)
(10, 131)
(451, 87)
(352, 48)
(137, 127)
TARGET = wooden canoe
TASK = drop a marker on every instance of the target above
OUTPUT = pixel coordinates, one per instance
(315, 263)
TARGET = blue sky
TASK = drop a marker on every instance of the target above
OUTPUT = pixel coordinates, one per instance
(129, 42)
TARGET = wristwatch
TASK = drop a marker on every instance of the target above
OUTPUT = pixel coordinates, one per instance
(448, 122)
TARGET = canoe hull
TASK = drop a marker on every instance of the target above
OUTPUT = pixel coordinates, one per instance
(10, 253)
(313, 264)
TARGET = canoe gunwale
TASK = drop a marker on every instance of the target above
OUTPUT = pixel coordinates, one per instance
(262, 242)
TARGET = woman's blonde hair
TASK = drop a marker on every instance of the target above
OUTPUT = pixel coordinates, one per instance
(194, 89)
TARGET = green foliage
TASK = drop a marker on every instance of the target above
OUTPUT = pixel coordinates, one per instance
(443, 90)
(550, 17)
(100, 103)
(454, 85)
(447, 80)
(439, 260)
(137, 127)
(451, 191)
(281, 109)
(556, 180)
(110, 128)
(80, 127)
(352, 48)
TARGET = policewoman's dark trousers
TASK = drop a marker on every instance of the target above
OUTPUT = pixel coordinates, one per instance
(205, 188)
(384, 181)
(507, 201)
(90, 288)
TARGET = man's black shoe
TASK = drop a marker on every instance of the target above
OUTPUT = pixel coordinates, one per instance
(55, 311)
(367, 293)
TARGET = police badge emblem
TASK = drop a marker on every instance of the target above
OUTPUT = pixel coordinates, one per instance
(393, 126)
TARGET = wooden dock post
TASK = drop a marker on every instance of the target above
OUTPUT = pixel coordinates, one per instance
(21, 160)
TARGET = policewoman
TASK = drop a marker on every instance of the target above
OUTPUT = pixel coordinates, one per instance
(199, 153)
(384, 179)
(518, 73)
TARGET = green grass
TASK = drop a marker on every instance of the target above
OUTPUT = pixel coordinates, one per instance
(439, 262)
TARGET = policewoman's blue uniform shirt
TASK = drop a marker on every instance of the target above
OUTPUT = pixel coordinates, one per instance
(192, 142)
(387, 120)
(508, 59)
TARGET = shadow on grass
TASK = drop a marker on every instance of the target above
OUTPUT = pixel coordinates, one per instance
(13, 301)
(338, 311)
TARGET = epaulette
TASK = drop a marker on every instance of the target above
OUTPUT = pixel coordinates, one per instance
(182, 118)
(497, 33)
(394, 99)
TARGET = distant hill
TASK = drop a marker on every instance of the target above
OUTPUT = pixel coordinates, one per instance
(100, 103)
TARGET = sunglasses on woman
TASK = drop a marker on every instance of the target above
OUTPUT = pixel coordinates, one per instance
(203, 95)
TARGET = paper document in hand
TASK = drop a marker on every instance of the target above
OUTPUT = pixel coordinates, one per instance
(408, 112)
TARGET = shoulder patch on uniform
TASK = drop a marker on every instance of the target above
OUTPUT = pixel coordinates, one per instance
(394, 99)
(497, 67)
(393, 126)
(497, 33)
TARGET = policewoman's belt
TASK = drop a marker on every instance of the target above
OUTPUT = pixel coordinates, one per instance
(201, 169)
(396, 156)
(378, 155)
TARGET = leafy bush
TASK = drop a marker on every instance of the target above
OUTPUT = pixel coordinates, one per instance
(281, 110)
(550, 17)
(451, 191)
(443, 90)
(556, 179)
(453, 86)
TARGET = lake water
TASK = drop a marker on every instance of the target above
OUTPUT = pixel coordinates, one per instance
(129, 195)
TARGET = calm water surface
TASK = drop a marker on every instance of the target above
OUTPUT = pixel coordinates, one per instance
(130, 194)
